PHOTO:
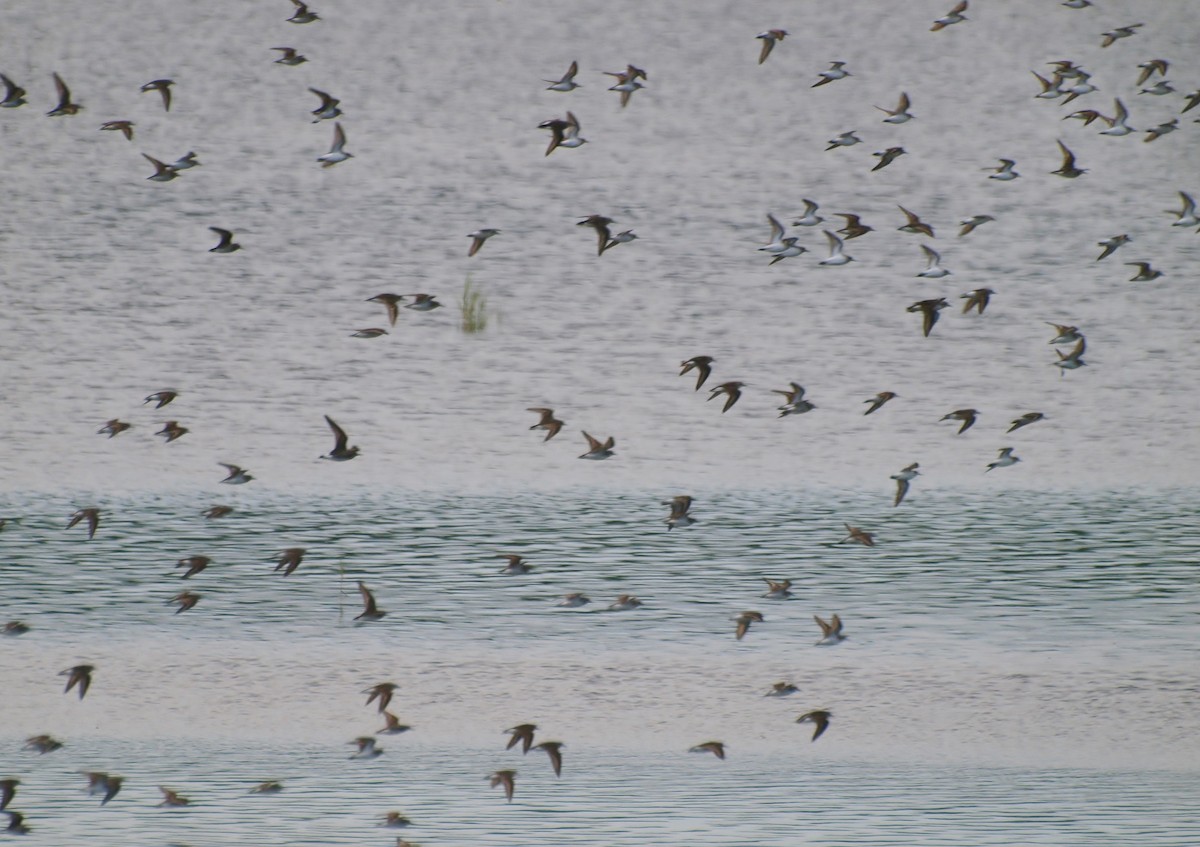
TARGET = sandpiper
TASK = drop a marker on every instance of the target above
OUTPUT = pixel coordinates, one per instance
(91, 515)
(573, 600)
(933, 264)
(547, 422)
(214, 512)
(900, 114)
(810, 216)
(236, 476)
(1117, 125)
(1119, 32)
(966, 416)
(382, 692)
(395, 820)
(878, 400)
(16, 824)
(113, 427)
(1068, 168)
(1111, 245)
(1005, 172)
(790, 249)
(123, 127)
(776, 244)
(554, 751)
(818, 717)
(954, 16)
(929, 310)
(340, 452)
(392, 725)
(162, 171)
(65, 106)
(1187, 215)
(14, 628)
(369, 332)
(1150, 68)
(968, 225)
(271, 786)
(14, 95)
(370, 612)
(172, 430)
(478, 237)
(187, 160)
(506, 778)
(336, 152)
(194, 565)
(626, 84)
(1025, 420)
(977, 299)
(172, 798)
(567, 81)
(422, 303)
(717, 748)
(1005, 459)
(185, 599)
(837, 70)
(854, 226)
(163, 87)
(289, 559)
(846, 139)
(782, 689)
(860, 535)
(628, 236)
(302, 14)
(1064, 334)
(732, 391)
(680, 507)
(777, 589)
(1145, 272)
(743, 623)
(624, 603)
(597, 449)
(886, 157)
(390, 302)
(600, 224)
(289, 57)
(902, 481)
(78, 676)
(701, 364)
(768, 42)
(836, 255)
(565, 133)
(226, 244)
(831, 631)
(42, 744)
(1162, 129)
(914, 224)
(796, 404)
(516, 564)
(521, 734)
(367, 748)
(8, 790)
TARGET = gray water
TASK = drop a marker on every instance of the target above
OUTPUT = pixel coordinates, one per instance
(1021, 663)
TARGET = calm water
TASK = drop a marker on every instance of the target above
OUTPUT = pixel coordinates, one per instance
(1021, 665)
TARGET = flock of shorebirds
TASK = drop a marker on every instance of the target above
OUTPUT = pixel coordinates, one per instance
(1066, 83)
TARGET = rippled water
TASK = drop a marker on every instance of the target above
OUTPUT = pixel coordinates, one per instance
(1021, 663)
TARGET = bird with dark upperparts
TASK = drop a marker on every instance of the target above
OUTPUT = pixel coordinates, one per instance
(65, 106)
(392, 725)
(966, 416)
(977, 299)
(1004, 460)
(861, 536)
(701, 364)
(340, 452)
(113, 427)
(553, 749)
(1068, 168)
(717, 748)
(382, 692)
(900, 114)
(831, 631)
(878, 400)
(289, 559)
(954, 16)
(1111, 245)
(161, 398)
(680, 507)
(185, 599)
(370, 612)
(478, 237)
(929, 311)
(302, 15)
(914, 224)
(903, 479)
(768, 39)
(422, 303)
(14, 95)
(214, 512)
(16, 823)
(1025, 420)
(777, 589)
(548, 422)
(337, 152)
(123, 127)
(743, 623)
(163, 87)
(172, 430)
(819, 718)
(367, 748)
(162, 171)
(194, 565)
(92, 516)
(968, 225)
(289, 57)
(236, 476)
(598, 449)
(564, 133)
(854, 226)
(8, 790)
(521, 734)
(226, 244)
(172, 799)
(600, 224)
(567, 81)
(886, 157)
(732, 391)
(391, 303)
(516, 564)
(506, 778)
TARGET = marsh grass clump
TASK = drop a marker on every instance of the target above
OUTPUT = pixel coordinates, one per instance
(474, 307)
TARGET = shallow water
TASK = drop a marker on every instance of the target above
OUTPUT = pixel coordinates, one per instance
(1021, 663)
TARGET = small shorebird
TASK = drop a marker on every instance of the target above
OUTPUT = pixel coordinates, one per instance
(79, 676)
(914, 224)
(214, 512)
(186, 600)
(506, 778)
(14, 95)
(187, 160)
(172, 798)
(900, 114)
(1005, 172)
(1119, 32)
(878, 400)
(860, 535)
(162, 171)
(966, 416)
(547, 422)
(194, 565)
(977, 299)
(236, 476)
(516, 564)
(14, 628)
(1186, 216)
(554, 751)
(1074, 359)
(701, 364)
(837, 70)
(226, 244)
(846, 139)
(1026, 419)
(478, 237)
(626, 84)
(933, 264)
(732, 391)
(395, 820)
(8, 790)
(103, 783)
(573, 600)
(521, 734)
(836, 255)
(163, 87)
(597, 449)
(269, 787)
(1150, 68)
(600, 224)
(624, 603)
(123, 127)
(172, 430)
(161, 398)
(1065, 334)
(1159, 88)
(328, 108)
(336, 152)
(781, 689)
(902, 481)
(289, 57)
(954, 16)
(1193, 100)
(565, 133)
(886, 157)
(382, 692)
(831, 631)
(113, 427)
(1117, 125)
(369, 332)
(768, 42)
(743, 623)
(819, 718)
(1145, 272)
(854, 226)
(65, 106)
(776, 244)
(92, 516)
(968, 225)
(1161, 130)
(628, 236)
(810, 216)
(1004, 460)
(16, 824)
(289, 559)
(929, 310)
(302, 14)
(340, 452)
(1068, 168)
(43, 744)
(390, 302)
(680, 506)
(367, 748)
(370, 612)
(392, 725)
(777, 589)
(717, 748)
(567, 81)
(1111, 245)
(796, 404)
